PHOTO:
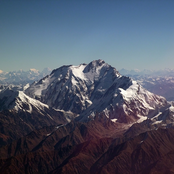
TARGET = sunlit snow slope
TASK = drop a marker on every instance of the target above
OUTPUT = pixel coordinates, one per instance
(18, 102)
(96, 87)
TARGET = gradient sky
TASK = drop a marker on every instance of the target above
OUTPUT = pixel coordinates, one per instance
(130, 34)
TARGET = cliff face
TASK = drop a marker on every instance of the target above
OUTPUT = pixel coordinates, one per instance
(21, 114)
(96, 87)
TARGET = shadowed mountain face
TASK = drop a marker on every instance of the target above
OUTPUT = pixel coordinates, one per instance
(85, 119)
(94, 147)
(96, 87)
(15, 125)
(21, 114)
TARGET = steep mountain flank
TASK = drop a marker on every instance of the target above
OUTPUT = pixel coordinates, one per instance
(96, 87)
(21, 114)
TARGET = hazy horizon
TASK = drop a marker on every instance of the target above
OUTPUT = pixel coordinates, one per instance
(120, 69)
(125, 34)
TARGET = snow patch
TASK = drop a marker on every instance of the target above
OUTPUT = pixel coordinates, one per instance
(157, 122)
(26, 86)
(172, 108)
(78, 71)
(141, 119)
(114, 120)
(156, 116)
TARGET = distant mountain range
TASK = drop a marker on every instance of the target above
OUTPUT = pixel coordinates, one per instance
(22, 77)
(145, 72)
(85, 119)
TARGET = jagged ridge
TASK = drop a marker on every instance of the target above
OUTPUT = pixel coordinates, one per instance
(96, 87)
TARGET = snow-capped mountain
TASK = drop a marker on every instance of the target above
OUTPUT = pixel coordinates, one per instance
(96, 87)
(124, 121)
(80, 85)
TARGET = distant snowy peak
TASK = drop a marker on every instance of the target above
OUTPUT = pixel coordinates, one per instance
(46, 71)
(34, 71)
(22, 77)
(146, 73)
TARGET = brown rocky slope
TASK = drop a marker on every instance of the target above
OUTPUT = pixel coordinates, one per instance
(94, 147)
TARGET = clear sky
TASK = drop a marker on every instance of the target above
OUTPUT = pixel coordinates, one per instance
(130, 34)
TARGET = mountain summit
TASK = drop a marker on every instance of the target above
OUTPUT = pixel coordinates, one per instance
(96, 87)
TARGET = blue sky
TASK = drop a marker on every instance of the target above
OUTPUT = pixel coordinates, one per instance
(130, 34)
